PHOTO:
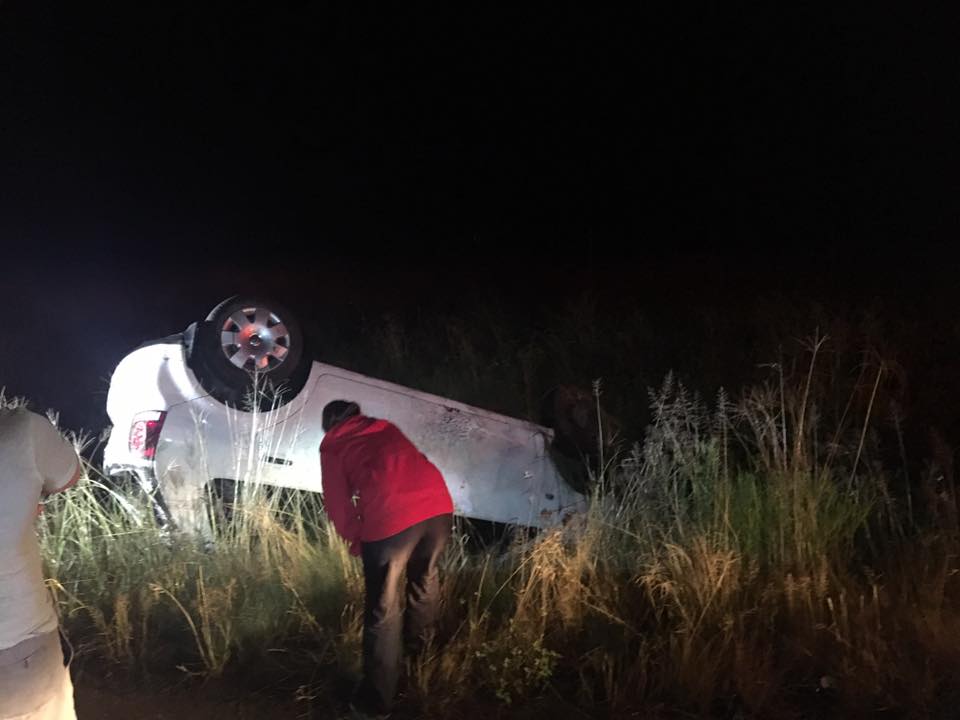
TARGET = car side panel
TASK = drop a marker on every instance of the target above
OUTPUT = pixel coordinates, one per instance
(496, 467)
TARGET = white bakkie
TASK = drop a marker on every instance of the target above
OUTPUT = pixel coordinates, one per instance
(178, 426)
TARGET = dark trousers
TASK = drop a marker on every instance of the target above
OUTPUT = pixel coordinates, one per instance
(416, 550)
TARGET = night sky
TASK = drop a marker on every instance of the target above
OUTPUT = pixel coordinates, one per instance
(157, 158)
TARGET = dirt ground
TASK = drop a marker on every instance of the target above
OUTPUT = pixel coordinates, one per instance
(94, 703)
(270, 691)
(99, 698)
(96, 699)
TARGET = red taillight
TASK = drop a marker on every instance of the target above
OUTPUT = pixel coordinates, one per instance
(145, 432)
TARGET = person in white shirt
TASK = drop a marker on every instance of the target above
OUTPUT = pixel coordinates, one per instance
(35, 461)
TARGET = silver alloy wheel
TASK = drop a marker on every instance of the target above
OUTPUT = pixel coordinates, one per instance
(254, 338)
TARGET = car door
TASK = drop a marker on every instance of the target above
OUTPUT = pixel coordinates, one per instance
(495, 466)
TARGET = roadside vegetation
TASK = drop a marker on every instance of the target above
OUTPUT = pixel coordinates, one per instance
(772, 551)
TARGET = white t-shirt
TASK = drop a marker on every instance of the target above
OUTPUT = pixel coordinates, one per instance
(33, 458)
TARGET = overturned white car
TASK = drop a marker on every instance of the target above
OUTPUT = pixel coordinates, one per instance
(185, 420)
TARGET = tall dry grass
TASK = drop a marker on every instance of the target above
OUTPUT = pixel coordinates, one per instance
(749, 558)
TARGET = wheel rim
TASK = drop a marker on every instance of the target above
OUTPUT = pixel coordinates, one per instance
(255, 339)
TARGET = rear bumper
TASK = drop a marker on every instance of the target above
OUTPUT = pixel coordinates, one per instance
(144, 474)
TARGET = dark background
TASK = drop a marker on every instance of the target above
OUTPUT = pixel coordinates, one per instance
(353, 160)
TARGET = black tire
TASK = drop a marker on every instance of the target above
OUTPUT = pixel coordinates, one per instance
(264, 369)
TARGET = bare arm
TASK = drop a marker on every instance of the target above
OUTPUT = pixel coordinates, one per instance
(56, 459)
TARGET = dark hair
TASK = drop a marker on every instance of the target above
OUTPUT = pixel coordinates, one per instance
(336, 412)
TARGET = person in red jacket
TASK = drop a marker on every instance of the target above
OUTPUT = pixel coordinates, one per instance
(391, 504)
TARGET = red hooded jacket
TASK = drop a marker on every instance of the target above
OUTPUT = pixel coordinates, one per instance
(395, 484)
